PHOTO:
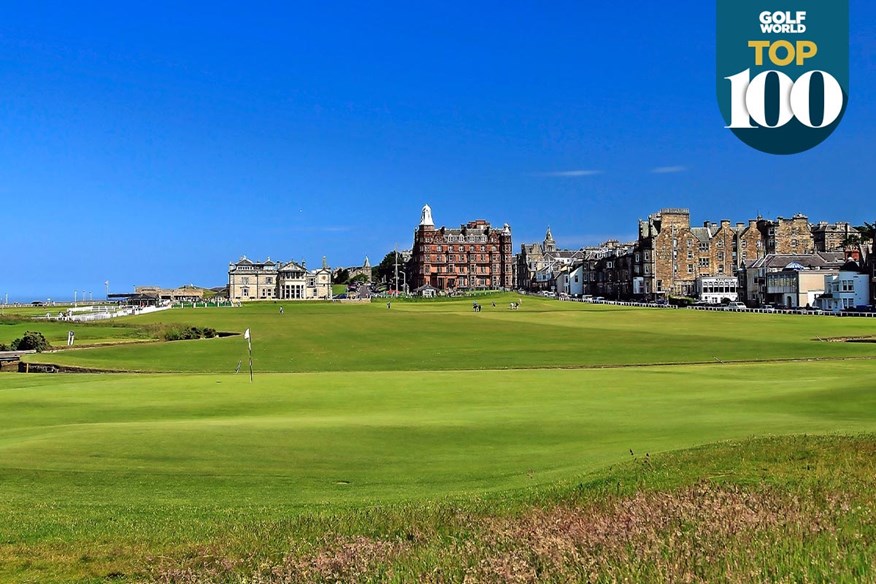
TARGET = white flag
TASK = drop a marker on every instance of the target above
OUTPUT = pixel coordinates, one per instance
(246, 335)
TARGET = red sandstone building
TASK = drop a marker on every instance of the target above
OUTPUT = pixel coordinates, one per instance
(471, 257)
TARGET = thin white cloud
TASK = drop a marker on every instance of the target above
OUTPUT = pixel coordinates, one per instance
(668, 169)
(569, 173)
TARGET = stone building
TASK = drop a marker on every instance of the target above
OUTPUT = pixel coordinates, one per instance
(268, 280)
(832, 236)
(475, 256)
(787, 236)
(354, 271)
(252, 280)
(749, 243)
(539, 265)
(608, 270)
(672, 255)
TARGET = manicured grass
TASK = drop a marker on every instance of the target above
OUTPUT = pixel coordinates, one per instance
(447, 335)
(380, 444)
(140, 464)
(86, 333)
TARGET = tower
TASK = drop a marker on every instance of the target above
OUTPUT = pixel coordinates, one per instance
(549, 244)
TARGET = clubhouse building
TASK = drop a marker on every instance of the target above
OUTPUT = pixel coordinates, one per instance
(268, 280)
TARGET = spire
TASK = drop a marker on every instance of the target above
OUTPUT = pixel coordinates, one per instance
(549, 243)
(367, 263)
(426, 216)
(324, 263)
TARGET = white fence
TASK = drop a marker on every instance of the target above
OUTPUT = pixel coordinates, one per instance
(95, 313)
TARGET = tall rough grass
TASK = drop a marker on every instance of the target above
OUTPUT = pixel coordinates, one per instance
(797, 509)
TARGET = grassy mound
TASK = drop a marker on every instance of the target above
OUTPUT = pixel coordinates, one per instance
(797, 508)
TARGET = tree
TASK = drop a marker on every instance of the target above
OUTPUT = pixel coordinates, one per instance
(867, 234)
(342, 276)
(31, 341)
(385, 270)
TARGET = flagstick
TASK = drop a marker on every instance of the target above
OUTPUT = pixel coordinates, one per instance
(248, 338)
(250, 362)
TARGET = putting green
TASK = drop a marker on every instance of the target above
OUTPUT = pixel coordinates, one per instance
(305, 439)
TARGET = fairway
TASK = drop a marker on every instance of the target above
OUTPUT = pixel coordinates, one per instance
(302, 439)
(360, 406)
(447, 335)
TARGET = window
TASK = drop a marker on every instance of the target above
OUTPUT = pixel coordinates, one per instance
(704, 262)
(690, 268)
(244, 280)
(689, 254)
(721, 268)
(704, 246)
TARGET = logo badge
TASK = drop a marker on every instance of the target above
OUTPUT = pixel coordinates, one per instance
(782, 71)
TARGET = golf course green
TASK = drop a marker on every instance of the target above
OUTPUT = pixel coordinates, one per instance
(363, 420)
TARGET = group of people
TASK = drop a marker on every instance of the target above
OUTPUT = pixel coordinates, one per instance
(476, 307)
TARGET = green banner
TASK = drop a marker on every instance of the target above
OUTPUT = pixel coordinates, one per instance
(782, 71)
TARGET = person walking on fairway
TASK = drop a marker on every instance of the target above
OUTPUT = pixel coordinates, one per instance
(388, 305)
(281, 310)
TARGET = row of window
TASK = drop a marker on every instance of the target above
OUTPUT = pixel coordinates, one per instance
(484, 258)
(465, 238)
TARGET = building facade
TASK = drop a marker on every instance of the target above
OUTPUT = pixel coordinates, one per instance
(717, 289)
(539, 265)
(757, 287)
(673, 258)
(268, 280)
(849, 288)
(475, 256)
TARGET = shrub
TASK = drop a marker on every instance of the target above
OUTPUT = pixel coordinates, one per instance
(31, 341)
(182, 332)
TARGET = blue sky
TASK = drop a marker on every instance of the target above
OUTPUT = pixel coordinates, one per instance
(154, 144)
